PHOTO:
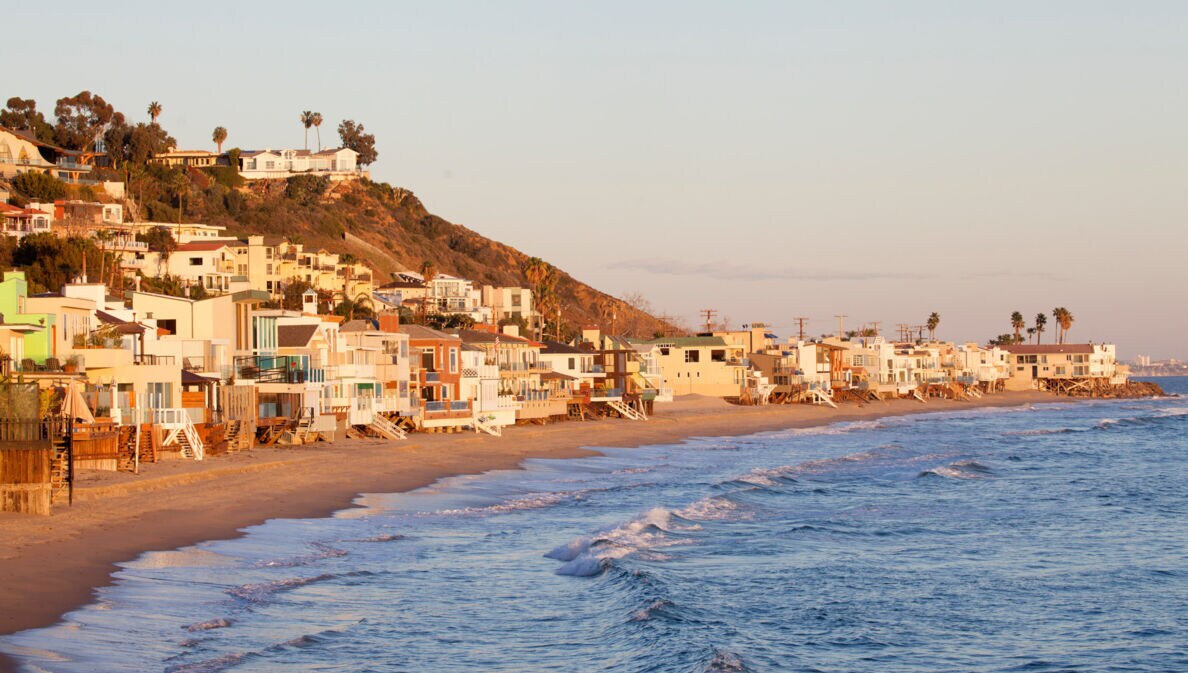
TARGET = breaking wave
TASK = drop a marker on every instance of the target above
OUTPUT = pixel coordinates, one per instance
(218, 623)
(962, 469)
(324, 551)
(260, 592)
(589, 555)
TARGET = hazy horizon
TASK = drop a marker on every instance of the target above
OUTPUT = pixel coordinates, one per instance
(769, 160)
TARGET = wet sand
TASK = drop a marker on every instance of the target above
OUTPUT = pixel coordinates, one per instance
(52, 565)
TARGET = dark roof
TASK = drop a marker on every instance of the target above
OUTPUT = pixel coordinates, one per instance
(556, 376)
(473, 336)
(294, 336)
(121, 326)
(358, 325)
(556, 348)
(1048, 349)
(398, 284)
(203, 246)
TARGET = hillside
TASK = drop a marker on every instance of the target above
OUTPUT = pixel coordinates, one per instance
(388, 228)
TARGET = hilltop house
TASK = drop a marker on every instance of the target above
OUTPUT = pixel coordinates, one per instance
(337, 164)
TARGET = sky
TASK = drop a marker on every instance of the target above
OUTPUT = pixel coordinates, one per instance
(765, 159)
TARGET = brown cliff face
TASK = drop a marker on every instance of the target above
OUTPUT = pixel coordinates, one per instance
(391, 230)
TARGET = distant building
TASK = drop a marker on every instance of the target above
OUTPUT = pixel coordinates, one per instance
(337, 164)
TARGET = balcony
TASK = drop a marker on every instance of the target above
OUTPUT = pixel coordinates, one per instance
(441, 409)
(153, 360)
(274, 369)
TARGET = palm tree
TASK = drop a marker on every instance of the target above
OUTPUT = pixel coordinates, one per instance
(219, 135)
(428, 273)
(932, 324)
(542, 279)
(154, 111)
(1064, 320)
(316, 120)
(179, 184)
(1018, 323)
(1041, 320)
(307, 121)
(1030, 334)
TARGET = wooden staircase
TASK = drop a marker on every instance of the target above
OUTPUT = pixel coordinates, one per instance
(486, 424)
(626, 411)
(305, 432)
(386, 428)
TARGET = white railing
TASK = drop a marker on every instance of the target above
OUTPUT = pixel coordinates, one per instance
(177, 423)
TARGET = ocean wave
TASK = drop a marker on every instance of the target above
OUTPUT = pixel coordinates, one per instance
(962, 469)
(211, 665)
(390, 537)
(260, 592)
(1041, 431)
(712, 508)
(725, 661)
(658, 608)
(591, 554)
(324, 551)
(527, 502)
(217, 623)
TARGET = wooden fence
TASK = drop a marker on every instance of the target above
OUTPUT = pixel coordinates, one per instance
(27, 464)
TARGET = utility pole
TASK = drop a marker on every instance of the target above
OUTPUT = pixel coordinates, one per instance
(709, 314)
(876, 326)
(903, 331)
(557, 330)
(801, 320)
(841, 321)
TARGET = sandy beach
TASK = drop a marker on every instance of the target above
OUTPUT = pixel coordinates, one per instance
(51, 565)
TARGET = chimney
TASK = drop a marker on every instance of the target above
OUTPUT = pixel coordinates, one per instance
(389, 321)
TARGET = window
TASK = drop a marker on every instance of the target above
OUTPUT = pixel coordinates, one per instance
(267, 253)
(692, 356)
(195, 261)
(268, 269)
(170, 325)
(718, 355)
(515, 299)
(664, 350)
(572, 362)
(445, 391)
(453, 360)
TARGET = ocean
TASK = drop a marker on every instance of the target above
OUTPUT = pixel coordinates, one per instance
(1047, 538)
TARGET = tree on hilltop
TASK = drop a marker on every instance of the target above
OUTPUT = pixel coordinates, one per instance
(307, 121)
(21, 115)
(354, 138)
(219, 136)
(316, 120)
(136, 144)
(83, 119)
(154, 111)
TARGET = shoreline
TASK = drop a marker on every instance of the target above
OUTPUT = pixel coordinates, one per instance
(50, 566)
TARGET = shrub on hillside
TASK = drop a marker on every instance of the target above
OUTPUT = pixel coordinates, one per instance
(306, 189)
(225, 176)
(39, 186)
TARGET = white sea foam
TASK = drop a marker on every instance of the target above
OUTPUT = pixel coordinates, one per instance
(644, 614)
(591, 554)
(260, 592)
(217, 623)
(713, 508)
(533, 501)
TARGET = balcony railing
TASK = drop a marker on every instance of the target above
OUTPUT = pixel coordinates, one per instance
(149, 359)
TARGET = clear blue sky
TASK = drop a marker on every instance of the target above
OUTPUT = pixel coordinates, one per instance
(882, 160)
